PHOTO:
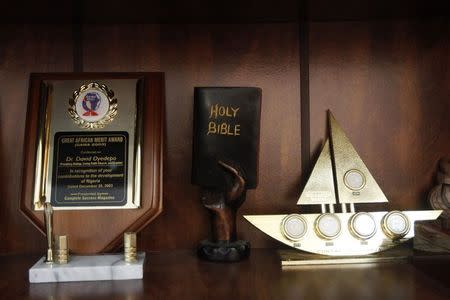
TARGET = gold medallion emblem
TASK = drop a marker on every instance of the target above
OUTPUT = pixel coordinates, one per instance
(93, 106)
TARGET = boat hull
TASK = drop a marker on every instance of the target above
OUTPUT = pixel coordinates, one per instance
(346, 243)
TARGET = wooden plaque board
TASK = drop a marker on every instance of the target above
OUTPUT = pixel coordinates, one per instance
(101, 230)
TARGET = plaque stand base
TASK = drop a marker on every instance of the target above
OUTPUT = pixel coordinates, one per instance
(292, 258)
(88, 268)
(224, 251)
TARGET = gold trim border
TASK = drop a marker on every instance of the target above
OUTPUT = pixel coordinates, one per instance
(39, 186)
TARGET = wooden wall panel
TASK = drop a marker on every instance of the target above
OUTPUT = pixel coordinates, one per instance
(23, 49)
(262, 55)
(387, 84)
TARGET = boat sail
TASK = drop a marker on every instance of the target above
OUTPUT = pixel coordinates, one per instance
(319, 188)
(341, 177)
(354, 182)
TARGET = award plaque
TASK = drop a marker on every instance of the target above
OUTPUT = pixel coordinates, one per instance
(93, 154)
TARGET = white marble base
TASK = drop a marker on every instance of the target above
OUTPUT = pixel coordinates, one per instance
(88, 268)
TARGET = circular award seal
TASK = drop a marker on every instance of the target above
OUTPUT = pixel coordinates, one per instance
(92, 106)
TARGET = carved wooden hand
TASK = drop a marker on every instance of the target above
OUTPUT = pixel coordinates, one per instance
(224, 205)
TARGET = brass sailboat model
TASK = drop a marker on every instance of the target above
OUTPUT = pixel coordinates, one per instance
(341, 178)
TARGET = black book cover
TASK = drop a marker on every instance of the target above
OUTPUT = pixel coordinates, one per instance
(226, 128)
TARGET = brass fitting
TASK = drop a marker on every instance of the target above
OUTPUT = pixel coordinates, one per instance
(129, 240)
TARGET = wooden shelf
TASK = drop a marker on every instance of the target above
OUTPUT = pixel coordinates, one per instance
(180, 275)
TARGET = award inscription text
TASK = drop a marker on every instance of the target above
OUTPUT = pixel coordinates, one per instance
(90, 169)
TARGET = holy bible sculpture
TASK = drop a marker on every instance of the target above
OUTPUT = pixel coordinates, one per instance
(93, 170)
(225, 162)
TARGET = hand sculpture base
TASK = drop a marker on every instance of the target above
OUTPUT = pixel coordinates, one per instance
(224, 251)
(223, 205)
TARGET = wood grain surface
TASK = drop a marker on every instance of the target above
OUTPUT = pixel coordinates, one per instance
(387, 84)
(262, 55)
(24, 49)
(385, 81)
(178, 274)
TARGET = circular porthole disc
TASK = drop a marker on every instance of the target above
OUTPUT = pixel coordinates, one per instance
(294, 227)
(354, 180)
(362, 225)
(328, 226)
(395, 224)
